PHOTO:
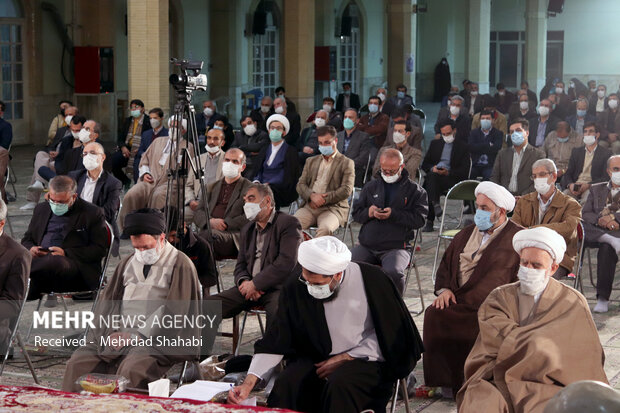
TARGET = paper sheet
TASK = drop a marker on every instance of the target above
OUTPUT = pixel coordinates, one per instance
(159, 388)
(201, 390)
(250, 401)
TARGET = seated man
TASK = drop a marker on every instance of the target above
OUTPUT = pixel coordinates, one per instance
(156, 119)
(609, 121)
(587, 165)
(267, 256)
(262, 113)
(457, 113)
(155, 275)
(400, 142)
(58, 121)
(280, 105)
(581, 116)
(559, 144)
(513, 165)
(347, 99)
(446, 163)
(67, 238)
(150, 191)
(225, 198)
(278, 164)
(14, 272)
(390, 209)
(527, 347)
(325, 186)
(602, 225)
(344, 331)
(309, 142)
(334, 117)
(543, 124)
(6, 137)
(413, 121)
(479, 259)
(355, 145)
(375, 123)
(251, 141)
(549, 207)
(498, 119)
(484, 144)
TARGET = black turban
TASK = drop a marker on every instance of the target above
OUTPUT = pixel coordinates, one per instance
(145, 221)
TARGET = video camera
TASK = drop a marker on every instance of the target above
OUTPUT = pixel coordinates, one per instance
(190, 78)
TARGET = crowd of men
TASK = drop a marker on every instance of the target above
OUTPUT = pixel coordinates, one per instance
(336, 319)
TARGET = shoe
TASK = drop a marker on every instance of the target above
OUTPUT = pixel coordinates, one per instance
(10, 198)
(467, 210)
(29, 205)
(438, 211)
(602, 306)
(428, 227)
(36, 187)
(192, 373)
(51, 301)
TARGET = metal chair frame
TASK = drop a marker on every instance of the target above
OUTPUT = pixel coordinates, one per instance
(413, 264)
(422, 117)
(258, 312)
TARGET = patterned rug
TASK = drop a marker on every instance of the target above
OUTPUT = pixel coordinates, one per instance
(36, 399)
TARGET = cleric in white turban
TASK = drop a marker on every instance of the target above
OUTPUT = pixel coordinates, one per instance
(282, 120)
(536, 335)
(345, 333)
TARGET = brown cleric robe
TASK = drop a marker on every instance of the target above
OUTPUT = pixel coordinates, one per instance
(449, 334)
(519, 362)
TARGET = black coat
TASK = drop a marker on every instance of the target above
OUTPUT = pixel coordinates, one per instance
(354, 102)
(489, 145)
(85, 237)
(552, 122)
(442, 80)
(292, 137)
(459, 159)
(71, 159)
(576, 161)
(251, 146)
(122, 134)
(60, 134)
(199, 251)
(300, 327)
(285, 193)
(463, 123)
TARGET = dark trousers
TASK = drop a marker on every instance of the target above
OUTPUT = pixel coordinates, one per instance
(233, 302)
(436, 185)
(353, 387)
(54, 273)
(393, 262)
(483, 171)
(118, 163)
(46, 173)
(605, 270)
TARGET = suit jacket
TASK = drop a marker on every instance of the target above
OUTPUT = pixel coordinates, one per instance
(572, 120)
(340, 183)
(85, 237)
(378, 130)
(602, 118)
(202, 124)
(477, 103)
(502, 169)
(354, 102)
(576, 161)
(60, 134)
(6, 134)
(358, 149)
(463, 123)
(504, 102)
(284, 193)
(278, 256)
(393, 103)
(552, 121)
(459, 158)
(562, 107)
(485, 145)
(292, 137)
(498, 121)
(234, 216)
(596, 202)
(71, 159)
(122, 134)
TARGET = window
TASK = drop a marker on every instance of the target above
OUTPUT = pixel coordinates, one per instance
(349, 48)
(265, 58)
(506, 59)
(12, 67)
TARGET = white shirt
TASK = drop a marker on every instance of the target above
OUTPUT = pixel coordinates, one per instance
(89, 187)
(542, 206)
(274, 152)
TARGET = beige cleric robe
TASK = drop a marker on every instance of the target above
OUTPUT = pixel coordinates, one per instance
(521, 361)
(138, 365)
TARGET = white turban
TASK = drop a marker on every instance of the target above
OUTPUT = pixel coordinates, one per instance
(279, 118)
(542, 238)
(183, 122)
(496, 193)
(324, 255)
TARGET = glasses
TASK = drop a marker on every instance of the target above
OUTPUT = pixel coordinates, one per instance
(390, 172)
(540, 175)
(279, 128)
(90, 153)
(309, 284)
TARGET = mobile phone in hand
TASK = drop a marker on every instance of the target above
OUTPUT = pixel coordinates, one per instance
(576, 187)
(41, 249)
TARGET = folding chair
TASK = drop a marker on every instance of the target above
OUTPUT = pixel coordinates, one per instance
(578, 284)
(10, 179)
(422, 117)
(587, 247)
(17, 337)
(463, 191)
(258, 312)
(400, 383)
(413, 265)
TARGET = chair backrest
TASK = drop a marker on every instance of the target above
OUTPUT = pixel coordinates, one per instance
(420, 113)
(463, 191)
(363, 111)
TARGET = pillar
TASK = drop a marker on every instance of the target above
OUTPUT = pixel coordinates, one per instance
(298, 57)
(148, 52)
(479, 43)
(536, 43)
(401, 45)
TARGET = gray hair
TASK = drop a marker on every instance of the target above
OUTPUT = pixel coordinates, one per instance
(237, 150)
(610, 159)
(546, 163)
(263, 190)
(582, 100)
(3, 210)
(281, 99)
(322, 111)
(98, 146)
(97, 127)
(391, 153)
(63, 184)
(458, 97)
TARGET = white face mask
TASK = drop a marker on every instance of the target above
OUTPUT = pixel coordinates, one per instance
(213, 149)
(327, 108)
(390, 179)
(398, 137)
(454, 110)
(265, 108)
(532, 281)
(381, 96)
(600, 94)
(250, 129)
(230, 170)
(448, 138)
(76, 135)
(319, 122)
(502, 93)
(615, 178)
(613, 103)
(541, 185)
(84, 136)
(474, 93)
(321, 292)
(68, 119)
(559, 90)
(279, 109)
(208, 112)
(251, 210)
(543, 110)
(589, 139)
(154, 123)
(90, 161)
(148, 257)
(524, 105)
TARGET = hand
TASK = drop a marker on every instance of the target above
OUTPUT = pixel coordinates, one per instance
(612, 137)
(218, 223)
(612, 225)
(571, 188)
(444, 172)
(193, 205)
(308, 150)
(53, 154)
(125, 151)
(248, 289)
(239, 393)
(371, 211)
(604, 221)
(57, 251)
(36, 252)
(148, 178)
(115, 340)
(327, 367)
(383, 215)
(584, 188)
(317, 199)
(443, 301)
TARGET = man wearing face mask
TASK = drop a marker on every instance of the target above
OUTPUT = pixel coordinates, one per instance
(309, 139)
(609, 121)
(251, 140)
(498, 119)
(129, 141)
(381, 93)
(344, 331)
(473, 101)
(513, 165)
(562, 101)
(446, 162)
(400, 141)
(401, 100)
(587, 165)
(581, 116)
(602, 228)
(559, 145)
(281, 93)
(67, 240)
(355, 144)
(530, 93)
(155, 279)
(375, 123)
(598, 101)
(504, 98)
(390, 209)
(479, 259)
(262, 113)
(281, 108)
(156, 119)
(543, 124)
(347, 99)
(456, 112)
(484, 144)
(527, 349)
(267, 256)
(413, 121)
(58, 121)
(522, 108)
(334, 117)
(325, 186)
(550, 208)
(206, 119)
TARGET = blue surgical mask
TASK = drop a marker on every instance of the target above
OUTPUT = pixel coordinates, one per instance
(485, 124)
(135, 113)
(326, 150)
(348, 123)
(347, 92)
(58, 208)
(517, 138)
(483, 220)
(400, 94)
(372, 108)
(218, 127)
(563, 140)
(581, 113)
(275, 135)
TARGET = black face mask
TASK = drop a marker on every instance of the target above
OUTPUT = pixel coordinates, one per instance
(62, 111)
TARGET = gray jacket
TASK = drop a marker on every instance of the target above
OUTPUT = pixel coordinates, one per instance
(596, 202)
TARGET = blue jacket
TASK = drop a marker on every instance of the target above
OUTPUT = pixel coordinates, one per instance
(6, 134)
(480, 145)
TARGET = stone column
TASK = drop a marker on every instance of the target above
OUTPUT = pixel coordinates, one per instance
(148, 50)
(401, 45)
(536, 43)
(479, 43)
(298, 58)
